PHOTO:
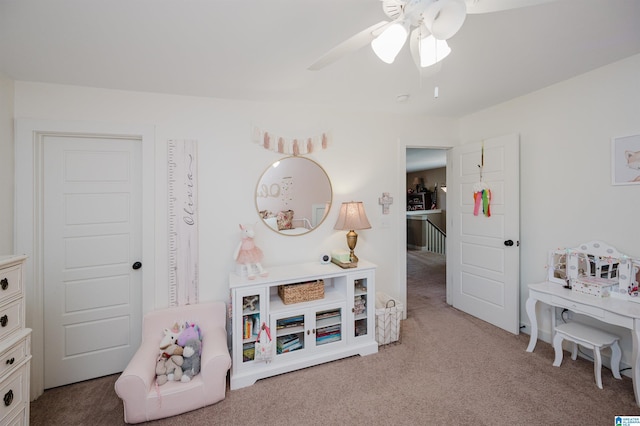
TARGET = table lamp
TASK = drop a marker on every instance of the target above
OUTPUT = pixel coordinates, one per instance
(352, 217)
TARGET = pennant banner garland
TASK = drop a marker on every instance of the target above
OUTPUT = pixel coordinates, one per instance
(290, 146)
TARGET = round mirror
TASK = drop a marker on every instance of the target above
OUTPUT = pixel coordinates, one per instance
(293, 196)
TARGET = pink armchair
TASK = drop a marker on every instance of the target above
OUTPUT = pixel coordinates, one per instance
(136, 386)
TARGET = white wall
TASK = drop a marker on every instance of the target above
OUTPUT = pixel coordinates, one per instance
(6, 165)
(565, 174)
(566, 196)
(361, 162)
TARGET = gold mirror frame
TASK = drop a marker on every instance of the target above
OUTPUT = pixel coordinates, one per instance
(293, 196)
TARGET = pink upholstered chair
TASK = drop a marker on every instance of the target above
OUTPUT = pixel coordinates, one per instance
(136, 386)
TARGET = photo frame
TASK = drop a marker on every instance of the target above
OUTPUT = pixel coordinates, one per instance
(625, 160)
(557, 266)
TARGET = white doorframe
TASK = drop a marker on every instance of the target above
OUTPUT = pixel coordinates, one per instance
(402, 213)
(29, 139)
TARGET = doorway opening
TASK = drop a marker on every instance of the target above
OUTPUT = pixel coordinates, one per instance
(425, 225)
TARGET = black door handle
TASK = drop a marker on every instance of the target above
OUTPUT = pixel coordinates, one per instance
(508, 243)
(137, 265)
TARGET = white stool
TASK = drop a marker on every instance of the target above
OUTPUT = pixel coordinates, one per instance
(590, 338)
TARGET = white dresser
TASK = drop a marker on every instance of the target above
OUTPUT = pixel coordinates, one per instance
(15, 344)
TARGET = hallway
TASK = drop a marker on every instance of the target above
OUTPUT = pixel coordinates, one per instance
(426, 279)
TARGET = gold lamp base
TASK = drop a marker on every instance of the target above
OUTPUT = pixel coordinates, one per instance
(352, 240)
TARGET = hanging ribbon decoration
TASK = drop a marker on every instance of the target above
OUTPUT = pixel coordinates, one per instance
(481, 192)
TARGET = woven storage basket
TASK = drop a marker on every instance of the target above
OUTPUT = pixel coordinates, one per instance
(303, 292)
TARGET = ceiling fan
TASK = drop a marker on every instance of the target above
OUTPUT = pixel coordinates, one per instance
(427, 23)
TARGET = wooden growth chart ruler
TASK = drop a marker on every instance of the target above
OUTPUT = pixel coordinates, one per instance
(183, 222)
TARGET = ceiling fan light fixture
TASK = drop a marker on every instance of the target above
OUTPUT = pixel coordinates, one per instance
(444, 18)
(432, 51)
(388, 44)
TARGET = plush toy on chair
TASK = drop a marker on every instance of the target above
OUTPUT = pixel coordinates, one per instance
(169, 365)
(144, 399)
(190, 340)
(191, 364)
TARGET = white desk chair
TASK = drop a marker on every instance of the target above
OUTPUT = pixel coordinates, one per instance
(590, 338)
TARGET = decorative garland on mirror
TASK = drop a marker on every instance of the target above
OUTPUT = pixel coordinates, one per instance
(291, 146)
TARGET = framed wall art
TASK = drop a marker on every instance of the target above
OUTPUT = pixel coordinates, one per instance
(625, 160)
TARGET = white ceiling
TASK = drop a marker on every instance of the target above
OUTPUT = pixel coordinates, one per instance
(260, 50)
(419, 159)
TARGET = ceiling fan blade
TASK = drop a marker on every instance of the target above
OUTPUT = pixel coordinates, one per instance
(352, 44)
(488, 6)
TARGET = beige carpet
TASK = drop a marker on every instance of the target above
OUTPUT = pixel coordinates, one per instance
(449, 368)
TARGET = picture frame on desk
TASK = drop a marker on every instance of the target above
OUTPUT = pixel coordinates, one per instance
(557, 266)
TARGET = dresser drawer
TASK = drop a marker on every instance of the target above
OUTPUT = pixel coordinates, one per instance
(11, 318)
(14, 393)
(10, 282)
(14, 355)
(20, 419)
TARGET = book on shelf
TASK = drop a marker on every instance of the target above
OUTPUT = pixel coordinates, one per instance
(288, 339)
(248, 352)
(296, 346)
(288, 343)
(329, 329)
(247, 327)
(328, 339)
(328, 314)
(290, 322)
(324, 335)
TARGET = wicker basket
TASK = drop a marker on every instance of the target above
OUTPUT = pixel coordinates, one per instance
(303, 292)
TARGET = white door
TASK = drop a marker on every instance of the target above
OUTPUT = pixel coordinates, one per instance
(92, 238)
(483, 252)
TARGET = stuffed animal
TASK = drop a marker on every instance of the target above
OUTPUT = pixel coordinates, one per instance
(248, 254)
(169, 364)
(191, 364)
(191, 331)
(171, 335)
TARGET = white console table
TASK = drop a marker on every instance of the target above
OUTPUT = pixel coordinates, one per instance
(338, 325)
(610, 310)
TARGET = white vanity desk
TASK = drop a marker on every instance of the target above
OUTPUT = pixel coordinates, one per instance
(610, 310)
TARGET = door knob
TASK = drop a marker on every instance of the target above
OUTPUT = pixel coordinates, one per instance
(508, 243)
(137, 265)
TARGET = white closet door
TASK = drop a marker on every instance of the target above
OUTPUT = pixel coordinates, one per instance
(92, 238)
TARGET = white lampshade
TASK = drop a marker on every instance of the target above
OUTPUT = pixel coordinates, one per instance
(443, 18)
(432, 51)
(388, 44)
(352, 217)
